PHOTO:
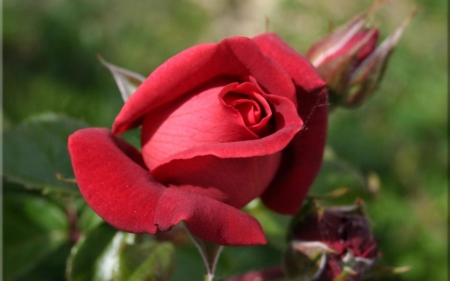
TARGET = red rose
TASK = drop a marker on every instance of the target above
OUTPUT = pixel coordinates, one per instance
(222, 124)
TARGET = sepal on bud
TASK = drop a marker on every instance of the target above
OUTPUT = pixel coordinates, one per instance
(349, 60)
(366, 78)
(126, 80)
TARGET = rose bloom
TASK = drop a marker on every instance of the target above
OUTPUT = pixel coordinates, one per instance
(221, 124)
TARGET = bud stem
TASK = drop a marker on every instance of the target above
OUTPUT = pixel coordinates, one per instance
(210, 253)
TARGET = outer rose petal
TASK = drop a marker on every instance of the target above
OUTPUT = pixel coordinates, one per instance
(303, 157)
(208, 219)
(117, 188)
(114, 182)
(235, 57)
(299, 68)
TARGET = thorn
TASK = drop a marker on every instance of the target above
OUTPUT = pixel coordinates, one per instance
(330, 26)
(61, 179)
(266, 22)
(99, 57)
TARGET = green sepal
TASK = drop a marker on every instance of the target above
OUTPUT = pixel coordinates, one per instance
(126, 80)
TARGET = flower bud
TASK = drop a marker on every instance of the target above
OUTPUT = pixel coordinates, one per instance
(331, 244)
(349, 60)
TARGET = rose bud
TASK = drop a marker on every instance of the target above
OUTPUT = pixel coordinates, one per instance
(332, 244)
(221, 124)
(349, 60)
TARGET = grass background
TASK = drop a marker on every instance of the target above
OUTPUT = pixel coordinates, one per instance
(399, 137)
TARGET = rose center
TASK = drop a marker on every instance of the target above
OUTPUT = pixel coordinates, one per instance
(249, 101)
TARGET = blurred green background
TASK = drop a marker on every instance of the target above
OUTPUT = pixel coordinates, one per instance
(394, 147)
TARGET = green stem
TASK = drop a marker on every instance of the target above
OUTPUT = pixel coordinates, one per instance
(210, 253)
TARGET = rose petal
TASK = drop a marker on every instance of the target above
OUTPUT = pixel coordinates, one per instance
(208, 219)
(112, 180)
(114, 183)
(239, 179)
(194, 121)
(302, 158)
(248, 99)
(299, 68)
(234, 57)
(287, 125)
(231, 167)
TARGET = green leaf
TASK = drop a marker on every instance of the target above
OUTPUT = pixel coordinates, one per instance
(105, 254)
(84, 255)
(149, 261)
(106, 268)
(239, 260)
(37, 149)
(132, 256)
(88, 219)
(189, 264)
(33, 228)
(52, 267)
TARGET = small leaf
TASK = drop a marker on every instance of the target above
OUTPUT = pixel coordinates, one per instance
(150, 261)
(106, 267)
(82, 259)
(36, 149)
(88, 219)
(126, 80)
(34, 227)
(131, 257)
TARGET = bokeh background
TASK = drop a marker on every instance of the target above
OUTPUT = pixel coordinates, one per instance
(393, 148)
